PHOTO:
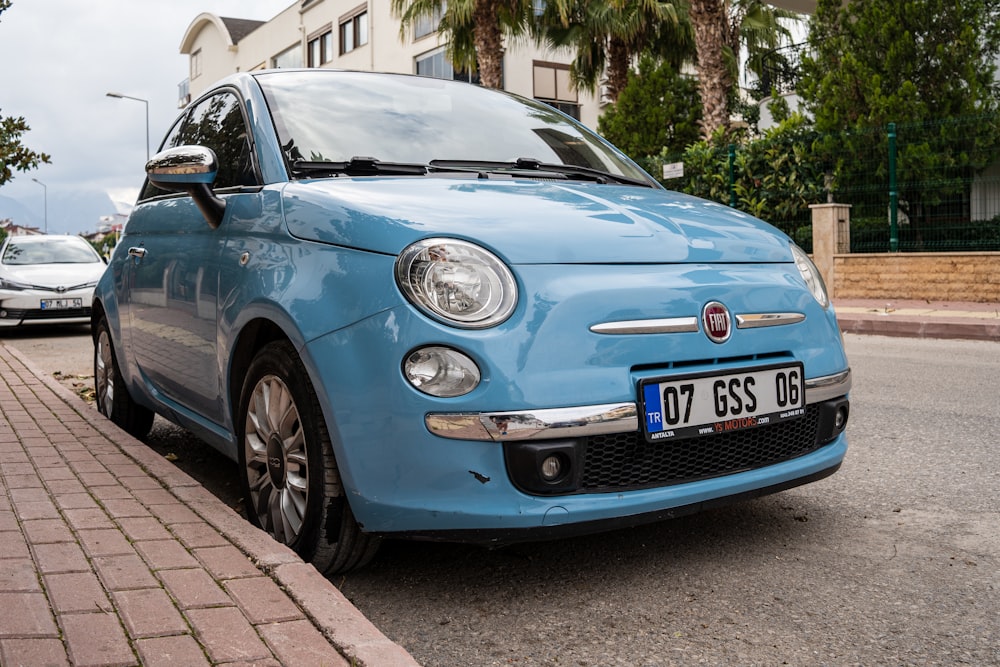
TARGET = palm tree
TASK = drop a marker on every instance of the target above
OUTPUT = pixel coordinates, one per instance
(721, 28)
(608, 35)
(475, 30)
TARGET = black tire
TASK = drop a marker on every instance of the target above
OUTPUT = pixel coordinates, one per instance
(113, 399)
(287, 466)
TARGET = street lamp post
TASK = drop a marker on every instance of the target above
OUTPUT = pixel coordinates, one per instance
(137, 99)
(45, 200)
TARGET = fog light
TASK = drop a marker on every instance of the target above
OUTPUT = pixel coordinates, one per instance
(552, 468)
(441, 371)
(841, 419)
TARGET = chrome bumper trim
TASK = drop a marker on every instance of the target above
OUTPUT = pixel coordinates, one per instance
(757, 320)
(827, 387)
(581, 421)
(667, 325)
(543, 424)
(690, 324)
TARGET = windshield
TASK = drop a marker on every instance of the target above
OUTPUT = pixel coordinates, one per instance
(50, 251)
(327, 116)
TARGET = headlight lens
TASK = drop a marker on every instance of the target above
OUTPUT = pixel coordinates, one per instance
(441, 371)
(11, 285)
(811, 275)
(457, 282)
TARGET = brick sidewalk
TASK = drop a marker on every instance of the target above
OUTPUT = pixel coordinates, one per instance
(109, 555)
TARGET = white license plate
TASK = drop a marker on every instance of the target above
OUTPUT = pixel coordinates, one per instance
(706, 404)
(61, 304)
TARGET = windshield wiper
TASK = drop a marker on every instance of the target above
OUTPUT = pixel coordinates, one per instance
(358, 166)
(569, 171)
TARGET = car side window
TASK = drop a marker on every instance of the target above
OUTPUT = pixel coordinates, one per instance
(216, 122)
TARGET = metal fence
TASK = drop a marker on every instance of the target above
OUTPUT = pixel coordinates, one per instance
(917, 187)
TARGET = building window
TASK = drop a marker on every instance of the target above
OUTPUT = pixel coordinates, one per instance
(426, 25)
(552, 85)
(435, 64)
(354, 31)
(290, 57)
(320, 48)
(196, 64)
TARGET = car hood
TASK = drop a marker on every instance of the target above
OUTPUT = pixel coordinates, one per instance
(530, 221)
(53, 276)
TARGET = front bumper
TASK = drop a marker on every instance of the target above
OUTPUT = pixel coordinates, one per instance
(25, 307)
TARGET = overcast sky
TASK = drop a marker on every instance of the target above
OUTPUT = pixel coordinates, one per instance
(60, 58)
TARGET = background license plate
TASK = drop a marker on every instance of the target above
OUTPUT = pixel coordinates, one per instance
(693, 405)
(61, 304)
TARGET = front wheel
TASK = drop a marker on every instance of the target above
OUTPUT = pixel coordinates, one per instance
(113, 399)
(288, 470)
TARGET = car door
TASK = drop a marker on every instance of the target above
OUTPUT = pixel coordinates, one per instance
(174, 267)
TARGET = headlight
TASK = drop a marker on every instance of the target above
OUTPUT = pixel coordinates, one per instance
(457, 282)
(11, 285)
(811, 275)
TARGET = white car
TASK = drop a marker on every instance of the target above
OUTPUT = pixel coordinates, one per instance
(47, 279)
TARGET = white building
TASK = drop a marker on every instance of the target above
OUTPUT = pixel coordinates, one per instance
(346, 34)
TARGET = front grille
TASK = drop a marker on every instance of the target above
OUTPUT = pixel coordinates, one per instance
(625, 461)
(57, 314)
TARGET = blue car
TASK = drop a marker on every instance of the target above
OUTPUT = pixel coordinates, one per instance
(418, 308)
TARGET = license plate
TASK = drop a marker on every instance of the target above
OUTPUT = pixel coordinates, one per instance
(709, 403)
(61, 304)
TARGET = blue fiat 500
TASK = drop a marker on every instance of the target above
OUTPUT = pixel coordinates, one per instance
(417, 308)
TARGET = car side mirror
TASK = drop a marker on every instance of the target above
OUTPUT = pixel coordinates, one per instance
(190, 169)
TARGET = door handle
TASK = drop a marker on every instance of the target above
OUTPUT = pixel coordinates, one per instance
(137, 252)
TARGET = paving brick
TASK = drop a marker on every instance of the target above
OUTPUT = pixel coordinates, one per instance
(174, 513)
(24, 615)
(226, 562)
(28, 652)
(8, 520)
(194, 588)
(82, 465)
(95, 479)
(31, 494)
(116, 491)
(196, 535)
(88, 518)
(59, 487)
(104, 542)
(76, 592)
(68, 501)
(137, 483)
(176, 651)
(22, 481)
(165, 554)
(149, 612)
(299, 643)
(56, 474)
(38, 509)
(121, 508)
(60, 557)
(119, 573)
(262, 600)
(227, 635)
(41, 531)
(18, 574)
(12, 545)
(149, 497)
(144, 528)
(96, 640)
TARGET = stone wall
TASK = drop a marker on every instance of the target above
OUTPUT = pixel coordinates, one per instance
(972, 276)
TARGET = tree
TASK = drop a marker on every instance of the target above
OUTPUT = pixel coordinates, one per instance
(475, 30)
(721, 29)
(658, 111)
(918, 64)
(14, 156)
(608, 35)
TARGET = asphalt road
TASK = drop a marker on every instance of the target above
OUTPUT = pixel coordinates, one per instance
(895, 560)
